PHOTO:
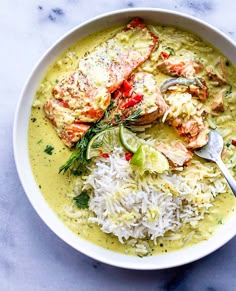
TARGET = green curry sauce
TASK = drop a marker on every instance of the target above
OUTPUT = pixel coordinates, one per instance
(48, 153)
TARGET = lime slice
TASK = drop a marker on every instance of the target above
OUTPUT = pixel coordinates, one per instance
(147, 158)
(129, 140)
(103, 142)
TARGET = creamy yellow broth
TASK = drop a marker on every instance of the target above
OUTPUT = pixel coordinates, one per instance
(55, 187)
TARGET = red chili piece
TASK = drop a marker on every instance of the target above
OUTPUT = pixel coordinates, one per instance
(117, 94)
(128, 156)
(233, 142)
(126, 88)
(104, 155)
(133, 101)
(165, 55)
(136, 22)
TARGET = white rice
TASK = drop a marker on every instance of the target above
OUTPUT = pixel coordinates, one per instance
(134, 207)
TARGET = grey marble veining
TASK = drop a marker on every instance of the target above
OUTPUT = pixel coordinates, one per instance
(31, 256)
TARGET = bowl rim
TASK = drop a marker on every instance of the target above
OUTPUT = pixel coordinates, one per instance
(183, 256)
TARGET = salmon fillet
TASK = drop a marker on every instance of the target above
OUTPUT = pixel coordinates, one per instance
(64, 122)
(87, 91)
(139, 92)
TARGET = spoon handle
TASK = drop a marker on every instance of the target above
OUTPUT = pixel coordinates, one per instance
(231, 181)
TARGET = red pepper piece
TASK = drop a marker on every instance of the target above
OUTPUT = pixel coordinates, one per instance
(126, 88)
(136, 22)
(133, 101)
(117, 94)
(65, 104)
(233, 142)
(165, 55)
(128, 156)
(104, 155)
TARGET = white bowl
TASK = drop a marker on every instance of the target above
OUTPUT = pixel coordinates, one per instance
(204, 30)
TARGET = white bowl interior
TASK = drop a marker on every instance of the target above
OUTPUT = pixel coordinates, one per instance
(208, 33)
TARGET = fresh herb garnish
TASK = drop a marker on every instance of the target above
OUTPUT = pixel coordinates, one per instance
(170, 50)
(82, 200)
(117, 117)
(229, 91)
(234, 168)
(110, 107)
(76, 172)
(49, 149)
(219, 221)
(133, 116)
(78, 158)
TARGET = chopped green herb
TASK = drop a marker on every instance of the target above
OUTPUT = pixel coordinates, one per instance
(134, 116)
(234, 168)
(110, 107)
(170, 50)
(33, 119)
(228, 144)
(82, 200)
(117, 117)
(229, 91)
(76, 172)
(48, 150)
(57, 81)
(40, 141)
(219, 221)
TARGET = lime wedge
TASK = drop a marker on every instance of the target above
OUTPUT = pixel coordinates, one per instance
(103, 142)
(129, 140)
(147, 158)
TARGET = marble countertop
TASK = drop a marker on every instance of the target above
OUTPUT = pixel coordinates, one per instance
(31, 256)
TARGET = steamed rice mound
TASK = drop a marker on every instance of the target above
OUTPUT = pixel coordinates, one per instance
(132, 206)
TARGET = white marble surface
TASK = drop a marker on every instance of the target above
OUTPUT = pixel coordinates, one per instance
(31, 256)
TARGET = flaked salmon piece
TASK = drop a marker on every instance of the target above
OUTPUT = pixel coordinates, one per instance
(217, 72)
(199, 91)
(180, 67)
(195, 132)
(216, 76)
(64, 122)
(102, 71)
(139, 92)
(176, 153)
(186, 115)
(200, 139)
(218, 102)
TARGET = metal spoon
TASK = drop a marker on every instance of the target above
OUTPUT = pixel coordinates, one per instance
(212, 151)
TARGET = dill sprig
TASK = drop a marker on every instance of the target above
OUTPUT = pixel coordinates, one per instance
(77, 162)
(133, 117)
